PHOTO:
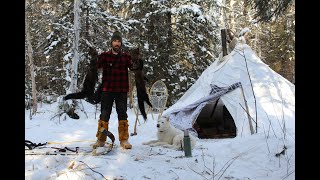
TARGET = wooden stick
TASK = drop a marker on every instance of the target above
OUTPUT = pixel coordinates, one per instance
(248, 114)
(135, 124)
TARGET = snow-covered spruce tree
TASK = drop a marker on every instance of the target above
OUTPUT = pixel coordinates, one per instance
(50, 44)
(195, 34)
(37, 13)
(272, 36)
(175, 37)
(268, 10)
(277, 43)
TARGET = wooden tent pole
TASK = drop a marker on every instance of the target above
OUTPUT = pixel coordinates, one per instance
(131, 86)
(247, 109)
(149, 110)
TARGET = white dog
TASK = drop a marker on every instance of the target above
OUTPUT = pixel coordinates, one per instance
(169, 136)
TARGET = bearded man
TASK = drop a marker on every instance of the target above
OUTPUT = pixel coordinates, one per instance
(114, 64)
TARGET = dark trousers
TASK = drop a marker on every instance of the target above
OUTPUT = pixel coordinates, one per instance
(107, 99)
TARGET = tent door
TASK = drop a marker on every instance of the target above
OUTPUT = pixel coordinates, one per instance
(215, 121)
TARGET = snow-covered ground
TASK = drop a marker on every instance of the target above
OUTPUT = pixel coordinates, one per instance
(237, 158)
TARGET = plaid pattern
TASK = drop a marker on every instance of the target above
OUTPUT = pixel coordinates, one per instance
(115, 71)
(216, 89)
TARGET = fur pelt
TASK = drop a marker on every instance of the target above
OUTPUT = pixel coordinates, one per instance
(88, 91)
(94, 95)
(140, 81)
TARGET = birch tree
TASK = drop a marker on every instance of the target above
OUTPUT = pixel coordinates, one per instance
(31, 64)
(76, 57)
(70, 109)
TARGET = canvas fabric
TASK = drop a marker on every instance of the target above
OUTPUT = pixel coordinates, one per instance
(183, 118)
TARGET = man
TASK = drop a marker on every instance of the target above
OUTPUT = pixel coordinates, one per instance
(115, 86)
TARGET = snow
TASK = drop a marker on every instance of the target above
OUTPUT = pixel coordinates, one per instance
(243, 31)
(234, 158)
(67, 56)
(50, 35)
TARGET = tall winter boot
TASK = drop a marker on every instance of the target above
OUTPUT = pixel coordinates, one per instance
(124, 134)
(101, 138)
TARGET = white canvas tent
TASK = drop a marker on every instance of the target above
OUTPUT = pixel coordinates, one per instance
(267, 96)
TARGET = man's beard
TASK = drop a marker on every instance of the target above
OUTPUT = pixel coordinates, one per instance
(116, 49)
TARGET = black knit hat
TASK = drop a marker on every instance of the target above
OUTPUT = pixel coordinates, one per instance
(116, 36)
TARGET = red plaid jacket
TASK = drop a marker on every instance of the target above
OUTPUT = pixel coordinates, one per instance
(115, 71)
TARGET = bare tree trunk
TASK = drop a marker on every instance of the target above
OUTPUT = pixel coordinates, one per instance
(75, 61)
(223, 18)
(87, 24)
(76, 58)
(231, 16)
(30, 55)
